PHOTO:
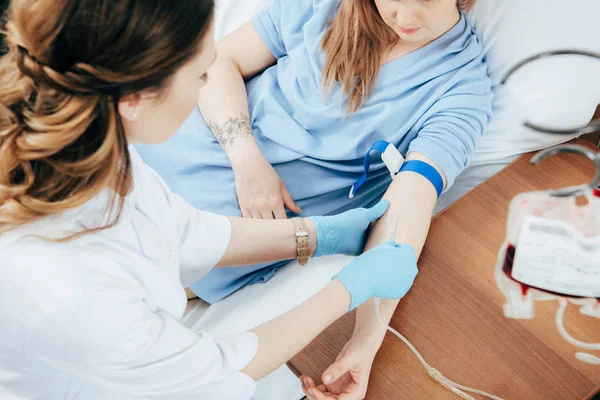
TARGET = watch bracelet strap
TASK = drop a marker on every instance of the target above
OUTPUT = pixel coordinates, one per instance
(302, 242)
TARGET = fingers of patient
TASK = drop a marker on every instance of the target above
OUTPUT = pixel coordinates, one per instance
(255, 214)
(266, 214)
(263, 206)
(288, 201)
(266, 206)
(279, 212)
(315, 394)
(308, 387)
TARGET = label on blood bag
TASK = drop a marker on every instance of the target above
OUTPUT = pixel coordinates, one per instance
(554, 256)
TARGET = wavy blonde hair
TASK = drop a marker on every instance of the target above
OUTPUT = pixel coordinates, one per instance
(68, 64)
(354, 44)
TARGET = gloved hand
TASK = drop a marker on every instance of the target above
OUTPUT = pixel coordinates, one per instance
(386, 271)
(345, 233)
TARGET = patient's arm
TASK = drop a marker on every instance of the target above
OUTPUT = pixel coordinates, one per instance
(240, 55)
(223, 100)
(223, 103)
(412, 200)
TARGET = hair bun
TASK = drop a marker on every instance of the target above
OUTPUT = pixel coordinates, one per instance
(69, 62)
(69, 82)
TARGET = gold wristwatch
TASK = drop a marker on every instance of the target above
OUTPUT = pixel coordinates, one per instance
(302, 243)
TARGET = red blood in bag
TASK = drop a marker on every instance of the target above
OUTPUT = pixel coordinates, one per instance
(507, 267)
(509, 259)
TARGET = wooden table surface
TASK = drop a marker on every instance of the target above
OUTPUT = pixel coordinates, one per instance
(453, 314)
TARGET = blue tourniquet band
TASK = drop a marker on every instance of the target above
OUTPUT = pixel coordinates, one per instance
(393, 161)
(427, 171)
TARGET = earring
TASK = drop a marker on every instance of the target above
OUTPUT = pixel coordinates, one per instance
(134, 115)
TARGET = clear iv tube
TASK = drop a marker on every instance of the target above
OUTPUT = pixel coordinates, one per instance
(560, 324)
(561, 328)
(434, 373)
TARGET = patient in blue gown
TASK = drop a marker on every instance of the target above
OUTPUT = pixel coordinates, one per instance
(430, 95)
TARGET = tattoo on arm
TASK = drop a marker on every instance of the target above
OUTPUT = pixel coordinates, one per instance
(232, 129)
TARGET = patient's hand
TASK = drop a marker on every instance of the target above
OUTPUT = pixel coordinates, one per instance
(260, 191)
(349, 374)
(412, 199)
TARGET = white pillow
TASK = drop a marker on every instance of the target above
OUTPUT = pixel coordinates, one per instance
(231, 14)
(511, 31)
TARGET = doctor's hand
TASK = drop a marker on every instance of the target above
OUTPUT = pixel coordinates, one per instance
(348, 377)
(260, 191)
(346, 233)
(387, 271)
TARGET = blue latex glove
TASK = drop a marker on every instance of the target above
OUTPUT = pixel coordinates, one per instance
(386, 271)
(345, 233)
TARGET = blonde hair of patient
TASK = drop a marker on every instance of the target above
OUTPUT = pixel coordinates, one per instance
(354, 45)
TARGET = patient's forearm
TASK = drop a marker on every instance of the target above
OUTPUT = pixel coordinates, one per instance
(224, 101)
(412, 200)
(224, 106)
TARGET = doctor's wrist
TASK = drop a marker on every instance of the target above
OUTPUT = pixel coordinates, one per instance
(312, 235)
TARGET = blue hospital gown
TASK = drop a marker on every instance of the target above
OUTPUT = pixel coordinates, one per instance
(436, 101)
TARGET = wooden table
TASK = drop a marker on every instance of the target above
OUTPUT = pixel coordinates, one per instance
(453, 314)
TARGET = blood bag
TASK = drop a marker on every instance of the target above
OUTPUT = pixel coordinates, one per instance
(551, 252)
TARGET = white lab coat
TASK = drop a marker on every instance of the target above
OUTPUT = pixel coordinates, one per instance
(99, 317)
